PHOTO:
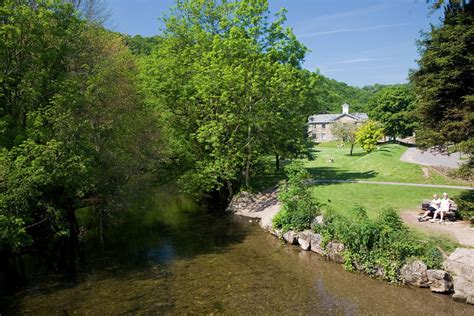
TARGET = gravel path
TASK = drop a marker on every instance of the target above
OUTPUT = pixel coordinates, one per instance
(459, 230)
(395, 183)
(431, 158)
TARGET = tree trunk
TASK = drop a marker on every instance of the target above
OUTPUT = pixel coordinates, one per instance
(277, 162)
(352, 148)
(230, 189)
(247, 173)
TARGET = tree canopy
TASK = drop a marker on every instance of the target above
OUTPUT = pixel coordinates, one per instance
(394, 107)
(443, 82)
(227, 82)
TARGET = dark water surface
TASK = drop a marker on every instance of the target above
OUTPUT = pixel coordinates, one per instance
(174, 258)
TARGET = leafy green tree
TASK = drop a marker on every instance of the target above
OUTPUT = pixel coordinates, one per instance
(394, 108)
(443, 82)
(368, 135)
(345, 132)
(74, 129)
(227, 84)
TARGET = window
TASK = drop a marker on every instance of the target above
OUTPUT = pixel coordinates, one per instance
(323, 125)
(323, 136)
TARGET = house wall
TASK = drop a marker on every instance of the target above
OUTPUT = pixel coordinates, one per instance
(322, 132)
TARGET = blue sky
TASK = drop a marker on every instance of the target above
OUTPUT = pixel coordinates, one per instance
(360, 42)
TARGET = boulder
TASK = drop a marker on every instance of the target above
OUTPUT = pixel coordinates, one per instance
(414, 273)
(318, 220)
(316, 241)
(304, 239)
(291, 237)
(439, 281)
(460, 264)
(334, 251)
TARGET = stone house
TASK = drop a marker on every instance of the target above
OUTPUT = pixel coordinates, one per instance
(319, 125)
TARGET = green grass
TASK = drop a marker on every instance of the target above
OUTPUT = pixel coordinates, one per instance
(343, 197)
(381, 165)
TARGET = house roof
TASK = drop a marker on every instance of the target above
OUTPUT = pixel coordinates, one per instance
(329, 118)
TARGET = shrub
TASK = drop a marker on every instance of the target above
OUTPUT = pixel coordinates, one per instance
(298, 206)
(465, 203)
(378, 245)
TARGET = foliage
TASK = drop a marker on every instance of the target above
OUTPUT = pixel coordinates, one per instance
(393, 107)
(378, 247)
(465, 202)
(330, 94)
(227, 83)
(140, 45)
(443, 82)
(368, 135)
(74, 130)
(298, 206)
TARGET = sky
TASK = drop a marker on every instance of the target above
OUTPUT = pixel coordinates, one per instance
(359, 42)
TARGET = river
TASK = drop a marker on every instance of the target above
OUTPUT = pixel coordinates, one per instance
(170, 256)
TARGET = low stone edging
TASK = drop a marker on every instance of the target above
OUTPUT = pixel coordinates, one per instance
(457, 276)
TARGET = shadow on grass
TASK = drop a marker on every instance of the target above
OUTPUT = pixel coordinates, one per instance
(329, 173)
(355, 155)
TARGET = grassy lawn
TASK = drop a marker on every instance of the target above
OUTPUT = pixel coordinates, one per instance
(343, 197)
(381, 165)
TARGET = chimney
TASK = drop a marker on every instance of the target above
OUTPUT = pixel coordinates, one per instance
(345, 108)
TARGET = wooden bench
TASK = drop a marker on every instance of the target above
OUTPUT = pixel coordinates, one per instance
(451, 214)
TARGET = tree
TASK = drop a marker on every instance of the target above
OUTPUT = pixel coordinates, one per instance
(345, 132)
(443, 82)
(368, 135)
(74, 129)
(394, 108)
(229, 89)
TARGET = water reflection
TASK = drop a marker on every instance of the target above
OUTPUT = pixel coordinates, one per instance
(180, 259)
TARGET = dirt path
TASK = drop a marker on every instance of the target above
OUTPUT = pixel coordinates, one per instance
(459, 231)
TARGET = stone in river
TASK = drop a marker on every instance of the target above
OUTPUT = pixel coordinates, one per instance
(414, 273)
(439, 281)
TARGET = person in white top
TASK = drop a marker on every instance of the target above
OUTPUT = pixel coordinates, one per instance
(443, 208)
(434, 206)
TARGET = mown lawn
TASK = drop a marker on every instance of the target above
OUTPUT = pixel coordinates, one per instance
(381, 165)
(342, 198)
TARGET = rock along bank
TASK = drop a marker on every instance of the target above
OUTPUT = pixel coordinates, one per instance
(457, 276)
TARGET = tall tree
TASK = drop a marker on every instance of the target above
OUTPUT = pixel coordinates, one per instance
(443, 82)
(227, 83)
(394, 108)
(74, 129)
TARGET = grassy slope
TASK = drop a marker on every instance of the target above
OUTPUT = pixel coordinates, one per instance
(381, 165)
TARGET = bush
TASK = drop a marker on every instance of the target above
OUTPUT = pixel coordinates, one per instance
(298, 206)
(378, 245)
(465, 203)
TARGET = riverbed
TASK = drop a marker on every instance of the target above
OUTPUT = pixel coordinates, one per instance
(176, 257)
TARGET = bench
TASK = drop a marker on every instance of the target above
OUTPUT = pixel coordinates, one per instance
(451, 214)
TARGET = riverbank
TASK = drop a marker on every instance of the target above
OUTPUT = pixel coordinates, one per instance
(457, 276)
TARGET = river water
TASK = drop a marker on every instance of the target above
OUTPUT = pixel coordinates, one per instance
(169, 256)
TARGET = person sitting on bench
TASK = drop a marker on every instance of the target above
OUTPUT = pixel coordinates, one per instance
(434, 206)
(443, 208)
